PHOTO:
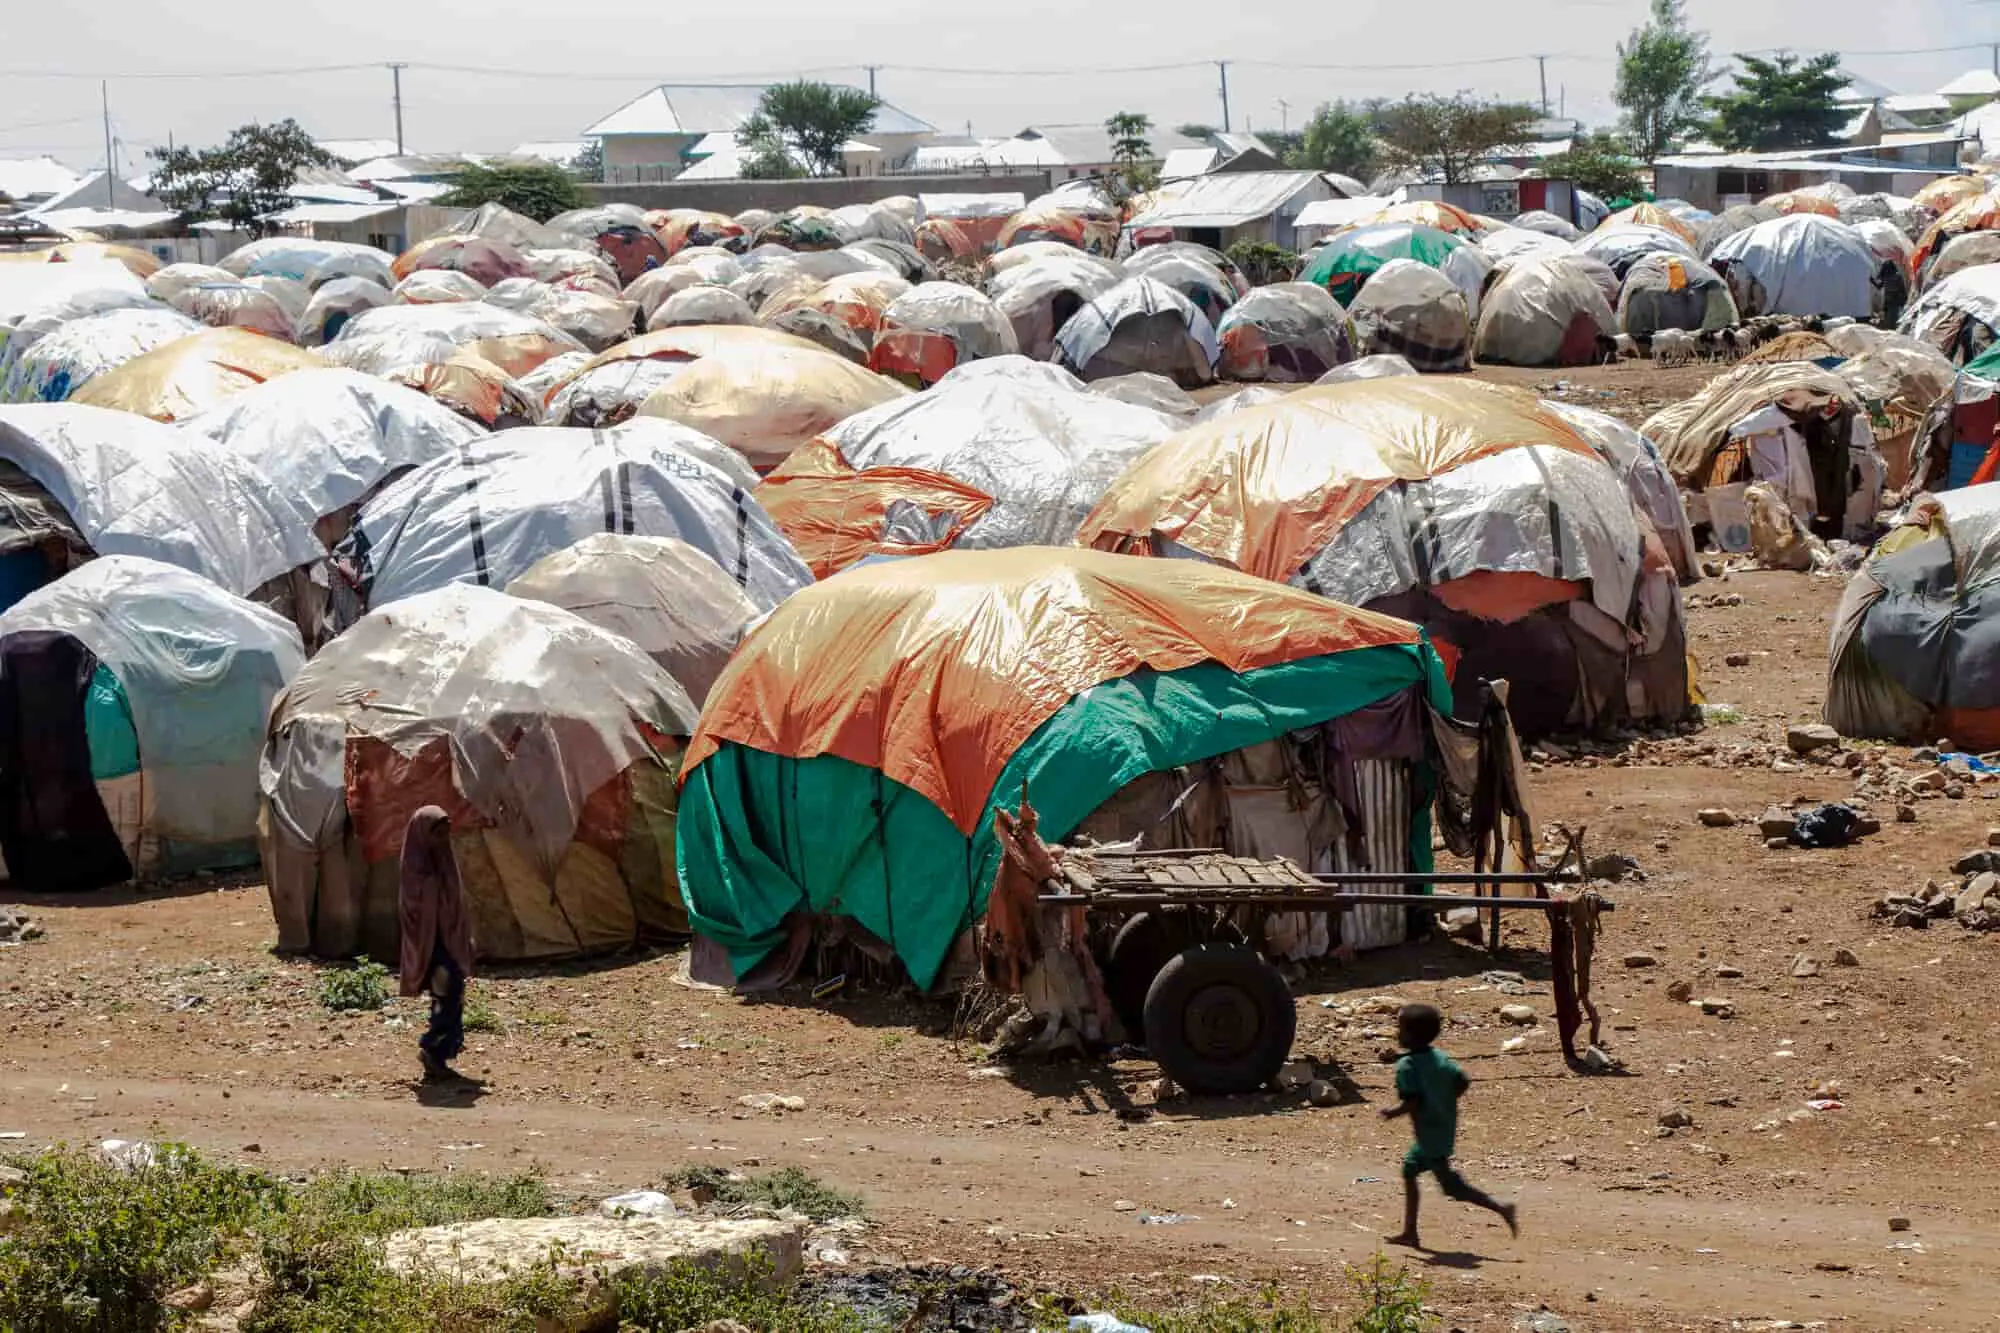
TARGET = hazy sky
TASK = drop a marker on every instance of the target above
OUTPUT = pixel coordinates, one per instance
(557, 68)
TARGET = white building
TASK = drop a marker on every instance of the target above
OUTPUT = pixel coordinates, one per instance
(664, 131)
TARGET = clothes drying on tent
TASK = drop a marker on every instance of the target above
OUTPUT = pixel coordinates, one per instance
(163, 681)
(852, 755)
(561, 801)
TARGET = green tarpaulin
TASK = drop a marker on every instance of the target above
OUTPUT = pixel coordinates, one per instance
(1350, 258)
(108, 729)
(762, 836)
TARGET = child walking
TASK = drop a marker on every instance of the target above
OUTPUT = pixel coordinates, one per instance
(1429, 1082)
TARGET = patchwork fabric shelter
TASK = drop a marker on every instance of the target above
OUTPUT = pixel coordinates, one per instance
(387, 340)
(1545, 311)
(978, 461)
(314, 263)
(334, 303)
(1410, 310)
(1623, 246)
(486, 512)
(1286, 333)
(1913, 653)
(51, 368)
(133, 696)
(485, 261)
(1802, 264)
(1039, 296)
(1471, 508)
(561, 798)
(235, 305)
(1349, 258)
(852, 755)
(1664, 291)
(193, 374)
(1959, 316)
(1139, 326)
(935, 326)
(674, 602)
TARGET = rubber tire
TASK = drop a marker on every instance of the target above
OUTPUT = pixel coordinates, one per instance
(1145, 943)
(1246, 986)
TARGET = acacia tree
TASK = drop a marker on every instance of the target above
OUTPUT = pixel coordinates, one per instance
(242, 180)
(1662, 70)
(1132, 151)
(1597, 163)
(1449, 137)
(807, 119)
(538, 190)
(1782, 103)
(1339, 137)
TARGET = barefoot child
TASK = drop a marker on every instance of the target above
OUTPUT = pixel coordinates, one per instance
(1430, 1083)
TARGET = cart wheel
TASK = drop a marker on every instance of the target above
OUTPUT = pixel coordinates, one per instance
(1219, 1018)
(1142, 946)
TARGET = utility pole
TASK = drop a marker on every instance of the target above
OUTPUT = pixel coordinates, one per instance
(871, 78)
(396, 68)
(110, 164)
(1222, 68)
(1284, 116)
(1543, 62)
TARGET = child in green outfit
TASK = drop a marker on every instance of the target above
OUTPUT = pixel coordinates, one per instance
(1429, 1082)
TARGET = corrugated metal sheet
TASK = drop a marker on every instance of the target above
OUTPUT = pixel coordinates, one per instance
(701, 108)
(331, 214)
(1230, 200)
(1383, 786)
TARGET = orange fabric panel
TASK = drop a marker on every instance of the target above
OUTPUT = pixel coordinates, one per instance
(1504, 595)
(1266, 489)
(1972, 730)
(836, 515)
(923, 354)
(385, 786)
(936, 670)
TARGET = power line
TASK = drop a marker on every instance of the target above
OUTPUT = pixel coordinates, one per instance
(100, 77)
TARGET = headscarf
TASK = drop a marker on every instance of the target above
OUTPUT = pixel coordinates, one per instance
(431, 901)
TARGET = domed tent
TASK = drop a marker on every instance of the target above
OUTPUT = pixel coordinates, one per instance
(1803, 264)
(1735, 218)
(676, 604)
(901, 256)
(1970, 250)
(1350, 258)
(1549, 224)
(561, 801)
(1959, 316)
(587, 267)
(1622, 247)
(1545, 311)
(1649, 215)
(497, 222)
(935, 326)
(701, 305)
(1038, 297)
(1470, 508)
(193, 374)
(334, 303)
(1510, 243)
(857, 300)
(595, 320)
(441, 286)
(132, 704)
(51, 368)
(1906, 215)
(313, 263)
(1913, 652)
(392, 338)
(977, 461)
(174, 279)
(1201, 282)
(331, 438)
(1287, 333)
(685, 228)
(82, 482)
(1139, 326)
(485, 261)
(852, 755)
(1416, 313)
(1947, 192)
(692, 268)
(620, 231)
(1979, 213)
(486, 512)
(234, 305)
(1665, 291)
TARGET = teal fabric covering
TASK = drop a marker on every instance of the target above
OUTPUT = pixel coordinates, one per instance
(107, 726)
(763, 835)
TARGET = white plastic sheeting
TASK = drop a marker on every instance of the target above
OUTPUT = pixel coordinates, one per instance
(227, 305)
(1647, 481)
(1038, 296)
(1139, 325)
(538, 707)
(666, 597)
(134, 486)
(1625, 245)
(1415, 312)
(1973, 293)
(327, 438)
(336, 302)
(491, 509)
(114, 292)
(53, 367)
(1544, 310)
(595, 321)
(199, 668)
(388, 338)
(25, 288)
(1800, 264)
(1046, 456)
(1379, 366)
(308, 261)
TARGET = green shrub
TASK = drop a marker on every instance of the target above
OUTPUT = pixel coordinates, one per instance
(1391, 1299)
(690, 1296)
(787, 1188)
(363, 987)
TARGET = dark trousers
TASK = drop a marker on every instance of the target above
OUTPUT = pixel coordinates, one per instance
(445, 1038)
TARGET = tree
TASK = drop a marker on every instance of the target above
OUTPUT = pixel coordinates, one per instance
(1339, 137)
(1132, 151)
(588, 165)
(1194, 129)
(1263, 262)
(1448, 137)
(765, 156)
(1782, 103)
(811, 120)
(1597, 163)
(1662, 70)
(539, 190)
(246, 178)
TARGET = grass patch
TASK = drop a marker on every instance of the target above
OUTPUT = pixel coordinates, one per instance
(480, 1017)
(1385, 1298)
(786, 1188)
(362, 988)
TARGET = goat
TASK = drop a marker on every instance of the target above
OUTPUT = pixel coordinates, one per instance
(1674, 347)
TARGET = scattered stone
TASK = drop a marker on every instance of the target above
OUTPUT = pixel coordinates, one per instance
(1462, 923)
(1294, 1075)
(1805, 965)
(1716, 818)
(1681, 990)
(1993, 837)
(1322, 1093)
(1906, 814)
(1846, 958)
(1808, 737)
(1542, 1321)
(1124, 1206)
(1973, 896)
(771, 1101)
(1598, 1061)
(1717, 1008)
(1827, 1266)
(1976, 863)
(1899, 1224)
(1676, 1118)
(16, 927)
(1777, 844)
(1736, 660)
(191, 1300)
(1777, 822)
(1640, 959)
(1729, 973)
(1520, 1015)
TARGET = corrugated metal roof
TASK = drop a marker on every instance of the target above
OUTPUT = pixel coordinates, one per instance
(991, 153)
(1230, 200)
(1758, 162)
(330, 214)
(1340, 212)
(89, 219)
(1084, 145)
(358, 150)
(1183, 162)
(1973, 83)
(559, 152)
(703, 108)
(972, 205)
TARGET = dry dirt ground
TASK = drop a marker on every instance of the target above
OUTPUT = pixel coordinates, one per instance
(166, 1015)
